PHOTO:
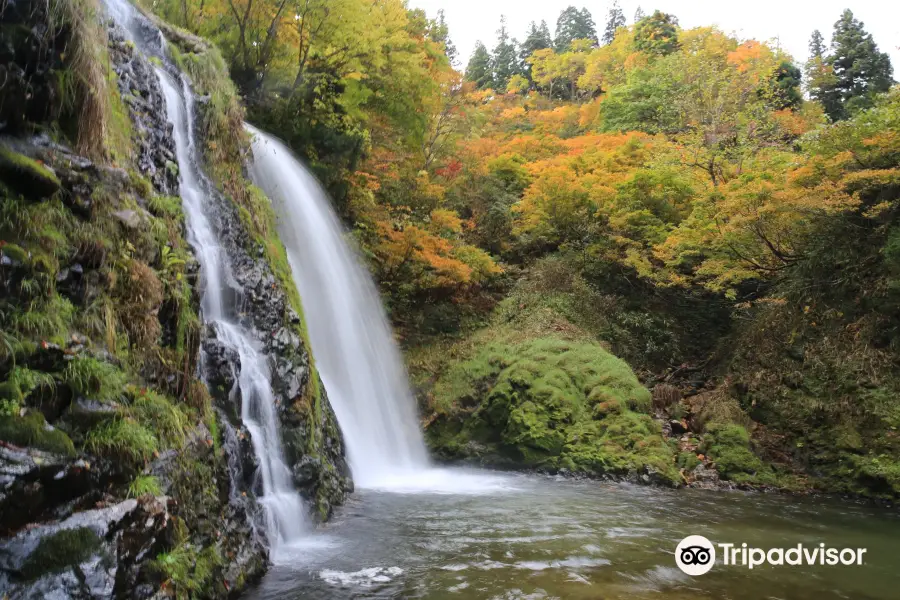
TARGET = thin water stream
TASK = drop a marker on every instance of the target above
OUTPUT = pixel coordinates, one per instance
(220, 300)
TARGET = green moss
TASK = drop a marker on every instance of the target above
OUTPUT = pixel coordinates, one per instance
(119, 130)
(552, 403)
(195, 484)
(122, 438)
(728, 445)
(50, 320)
(26, 175)
(94, 378)
(15, 253)
(140, 184)
(63, 549)
(187, 570)
(32, 430)
(687, 461)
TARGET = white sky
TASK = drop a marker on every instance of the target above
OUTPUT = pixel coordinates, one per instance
(790, 22)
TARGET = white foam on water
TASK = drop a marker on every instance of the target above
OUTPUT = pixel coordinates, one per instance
(362, 578)
(442, 481)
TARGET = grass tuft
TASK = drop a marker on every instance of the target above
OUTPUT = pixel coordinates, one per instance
(94, 378)
(159, 414)
(122, 438)
(143, 485)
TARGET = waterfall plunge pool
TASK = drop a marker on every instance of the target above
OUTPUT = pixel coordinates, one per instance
(518, 536)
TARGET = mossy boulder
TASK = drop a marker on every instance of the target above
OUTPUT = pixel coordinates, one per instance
(728, 445)
(26, 175)
(32, 430)
(61, 550)
(553, 404)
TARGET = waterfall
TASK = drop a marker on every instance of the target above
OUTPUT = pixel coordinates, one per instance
(355, 353)
(285, 514)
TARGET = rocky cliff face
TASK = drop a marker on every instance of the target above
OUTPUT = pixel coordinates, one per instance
(121, 475)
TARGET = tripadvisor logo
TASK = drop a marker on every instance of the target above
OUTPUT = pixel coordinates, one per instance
(696, 555)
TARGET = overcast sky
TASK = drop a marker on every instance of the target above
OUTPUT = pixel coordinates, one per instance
(788, 22)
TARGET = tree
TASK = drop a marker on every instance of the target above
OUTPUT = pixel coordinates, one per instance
(787, 86)
(860, 70)
(517, 84)
(536, 39)
(819, 75)
(549, 68)
(614, 20)
(574, 24)
(449, 117)
(816, 45)
(439, 31)
(638, 14)
(479, 69)
(657, 34)
(505, 61)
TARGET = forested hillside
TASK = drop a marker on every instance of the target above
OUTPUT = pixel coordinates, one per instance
(704, 207)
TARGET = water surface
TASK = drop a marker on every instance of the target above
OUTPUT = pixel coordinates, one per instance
(527, 536)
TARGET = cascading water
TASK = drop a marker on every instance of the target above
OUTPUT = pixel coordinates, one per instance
(355, 353)
(285, 514)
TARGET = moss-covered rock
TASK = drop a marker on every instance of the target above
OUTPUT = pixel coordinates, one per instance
(33, 430)
(61, 550)
(26, 175)
(553, 404)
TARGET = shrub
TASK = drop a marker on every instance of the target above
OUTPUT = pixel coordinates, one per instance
(729, 446)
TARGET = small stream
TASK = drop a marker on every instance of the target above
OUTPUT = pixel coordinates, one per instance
(512, 536)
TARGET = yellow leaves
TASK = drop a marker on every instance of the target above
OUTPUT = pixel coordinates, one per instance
(433, 260)
(445, 221)
(513, 113)
(791, 122)
(753, 58)
(869, 180)
(517, 84)
(879, 210)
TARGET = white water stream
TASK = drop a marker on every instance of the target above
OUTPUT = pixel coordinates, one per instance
(355, 352)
